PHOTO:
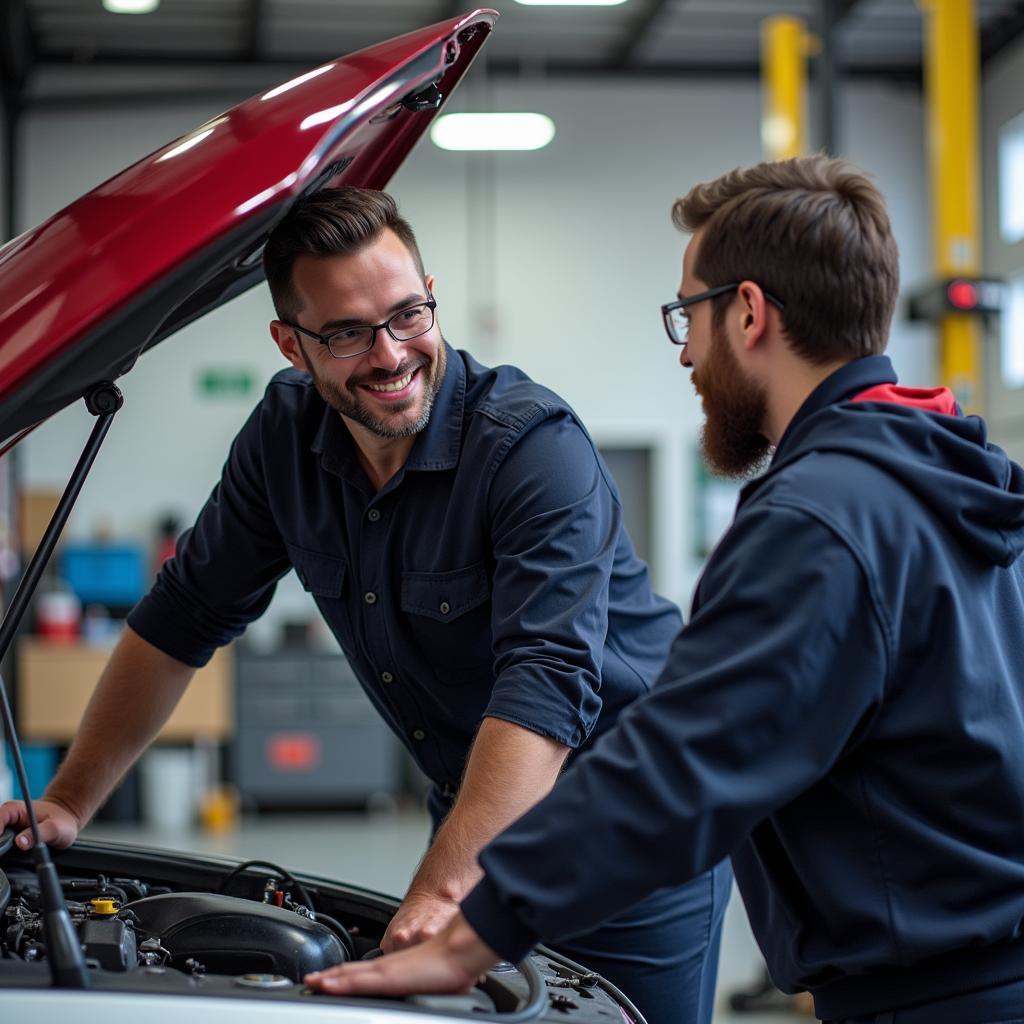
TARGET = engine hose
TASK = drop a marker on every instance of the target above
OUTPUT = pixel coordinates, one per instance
(340, 930)
(536, 995)
(285, 877)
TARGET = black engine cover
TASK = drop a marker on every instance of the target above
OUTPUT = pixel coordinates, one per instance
(235, 936)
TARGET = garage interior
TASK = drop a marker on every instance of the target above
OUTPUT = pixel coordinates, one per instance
(646, 97)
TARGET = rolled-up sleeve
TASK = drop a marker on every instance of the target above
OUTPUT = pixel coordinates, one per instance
(555, 522)
(225, 569)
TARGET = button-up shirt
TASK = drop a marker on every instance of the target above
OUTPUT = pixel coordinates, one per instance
(490, 576)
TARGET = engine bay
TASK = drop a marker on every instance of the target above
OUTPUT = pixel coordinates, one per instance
(162, 922)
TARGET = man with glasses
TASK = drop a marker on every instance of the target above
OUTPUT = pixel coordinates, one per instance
(844, 711)
(464, 542)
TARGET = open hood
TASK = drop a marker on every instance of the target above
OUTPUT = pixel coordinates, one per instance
(181, 231)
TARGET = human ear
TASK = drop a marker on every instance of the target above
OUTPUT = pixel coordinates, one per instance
(755, 315)
(284, 338)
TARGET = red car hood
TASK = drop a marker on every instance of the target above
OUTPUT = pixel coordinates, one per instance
(181, 231)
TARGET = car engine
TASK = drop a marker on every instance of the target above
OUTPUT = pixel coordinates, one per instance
(157, 922)
(191, 931)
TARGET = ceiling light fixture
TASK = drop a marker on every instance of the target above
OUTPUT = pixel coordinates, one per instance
(570, 3)
(492, 131)
(131, 6)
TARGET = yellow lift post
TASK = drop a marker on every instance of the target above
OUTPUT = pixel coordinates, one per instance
(951, 92)
(785, 45)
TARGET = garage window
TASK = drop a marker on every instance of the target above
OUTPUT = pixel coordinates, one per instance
(1011, 180)
(1013, 332)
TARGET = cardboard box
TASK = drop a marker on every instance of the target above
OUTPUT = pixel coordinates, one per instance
(35, 510)
(55, 682)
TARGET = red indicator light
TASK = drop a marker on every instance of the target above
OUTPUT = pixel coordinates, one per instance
(293, 752)
(962, 295)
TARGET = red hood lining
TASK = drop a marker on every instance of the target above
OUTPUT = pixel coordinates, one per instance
(929, 399)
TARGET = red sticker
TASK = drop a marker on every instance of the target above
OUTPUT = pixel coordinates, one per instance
(293, 751)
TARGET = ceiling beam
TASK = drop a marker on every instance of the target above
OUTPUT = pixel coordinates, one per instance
(1002, 33)
(234, 92)
(17, 49)
(255, 24)
(637, 34)
(844, 8)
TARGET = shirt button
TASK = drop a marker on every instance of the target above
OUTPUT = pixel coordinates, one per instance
(445, 607)
(386, 677)
(373, 515)
(370, 597)
(418, 734)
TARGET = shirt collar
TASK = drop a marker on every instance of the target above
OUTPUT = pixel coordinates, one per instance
(440, 442)
(437, 446)
(849, 380)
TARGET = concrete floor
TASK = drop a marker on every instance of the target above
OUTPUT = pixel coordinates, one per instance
(380, 851)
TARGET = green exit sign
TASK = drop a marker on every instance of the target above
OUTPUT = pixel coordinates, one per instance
(224, 382)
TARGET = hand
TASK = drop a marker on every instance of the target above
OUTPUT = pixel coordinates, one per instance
(420, 917)
(451, 961)
(58, 825)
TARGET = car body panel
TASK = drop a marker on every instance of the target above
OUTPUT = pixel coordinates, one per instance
(181, 231)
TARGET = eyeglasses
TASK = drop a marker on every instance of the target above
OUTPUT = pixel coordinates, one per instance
(677, 320)
(405, 325)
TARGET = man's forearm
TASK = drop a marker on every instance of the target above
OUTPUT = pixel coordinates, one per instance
(136, 693)
(510, 768)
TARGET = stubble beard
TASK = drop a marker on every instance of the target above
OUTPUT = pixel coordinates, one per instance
(348, 402)
(735, 410)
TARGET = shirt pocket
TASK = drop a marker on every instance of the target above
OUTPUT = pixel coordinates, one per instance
(323, 576)
(449, 616)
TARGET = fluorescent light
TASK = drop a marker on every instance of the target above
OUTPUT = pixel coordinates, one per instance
(184, 147)
(570, 3)
(131, 6)
(492, 131)
(315, 73)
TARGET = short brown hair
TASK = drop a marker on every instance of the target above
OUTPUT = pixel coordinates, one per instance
(332, 222)
(814, 232)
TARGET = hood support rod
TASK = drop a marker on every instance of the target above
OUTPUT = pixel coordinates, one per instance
(102, 401)
(63, 950)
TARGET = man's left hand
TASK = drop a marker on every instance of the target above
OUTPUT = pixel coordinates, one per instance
(449, 962)
(421, 916)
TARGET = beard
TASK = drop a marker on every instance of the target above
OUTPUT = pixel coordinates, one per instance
(348, 401)
(735, 409)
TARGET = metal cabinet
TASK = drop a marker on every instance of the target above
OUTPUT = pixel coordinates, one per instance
(307, 735)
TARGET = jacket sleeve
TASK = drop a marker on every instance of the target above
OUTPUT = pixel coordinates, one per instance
(554, 521)
(224, 570)
(774, 678)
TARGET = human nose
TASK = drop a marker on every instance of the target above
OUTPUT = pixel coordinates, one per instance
(386, 352)
(684, 357)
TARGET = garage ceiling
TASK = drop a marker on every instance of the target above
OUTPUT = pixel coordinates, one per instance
(74, 51)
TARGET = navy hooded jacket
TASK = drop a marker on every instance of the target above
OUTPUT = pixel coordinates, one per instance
(843, 714)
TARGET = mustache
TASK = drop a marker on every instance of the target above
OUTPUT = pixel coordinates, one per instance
(380, 375)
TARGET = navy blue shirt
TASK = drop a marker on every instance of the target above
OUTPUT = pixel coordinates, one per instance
(491, 576)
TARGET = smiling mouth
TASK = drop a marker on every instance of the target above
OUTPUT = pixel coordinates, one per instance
(394, 385)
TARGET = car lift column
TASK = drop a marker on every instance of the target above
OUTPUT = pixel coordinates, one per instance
(784, 49)
(951, 94)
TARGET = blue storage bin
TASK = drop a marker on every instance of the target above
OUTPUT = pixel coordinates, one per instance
(110, 574)
(40, 766)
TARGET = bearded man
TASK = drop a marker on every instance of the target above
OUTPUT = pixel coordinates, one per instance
(464, 542)
(844, 711)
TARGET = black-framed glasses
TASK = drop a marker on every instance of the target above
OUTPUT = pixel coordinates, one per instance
(677, 320)
(406, 324)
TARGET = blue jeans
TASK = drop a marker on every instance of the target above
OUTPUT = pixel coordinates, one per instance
(662, 952)
(1001, 1004)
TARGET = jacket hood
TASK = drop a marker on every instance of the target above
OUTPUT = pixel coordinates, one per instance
(945, 459)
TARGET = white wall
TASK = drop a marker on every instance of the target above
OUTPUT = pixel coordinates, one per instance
(582, 255)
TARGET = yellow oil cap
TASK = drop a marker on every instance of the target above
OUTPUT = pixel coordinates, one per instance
(103, 907)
